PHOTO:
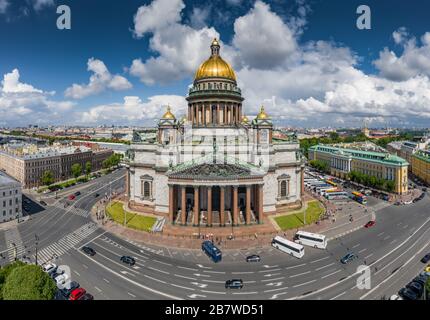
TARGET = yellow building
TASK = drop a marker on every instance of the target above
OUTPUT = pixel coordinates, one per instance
(421, 165)
(342, 161)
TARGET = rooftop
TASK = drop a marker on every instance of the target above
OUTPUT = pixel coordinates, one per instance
(6, 180)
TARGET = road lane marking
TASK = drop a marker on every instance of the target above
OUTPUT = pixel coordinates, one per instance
(292, 267)
(178, 286)
(106, 280)
(304, 283)
(77, 273)
(362, 250)
(185, 277)
(167, 264)
(213, 281)
(253, 292)
(186, 268)
(152, 278)
(320, 259)
(330, 274)
(130, 294)
(155, 269)
(386, 238)
(272, 279)
(98, 289)
(356, 245)
(214, 292)
(277, 289)
(320, 268)
(300, 274)
(380, 234)
(263, 271)
(243, 272)
(339, 295)
(131, 281)
(368, 256)
(219, 272)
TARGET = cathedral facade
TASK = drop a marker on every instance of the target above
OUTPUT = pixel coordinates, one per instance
(214, 166)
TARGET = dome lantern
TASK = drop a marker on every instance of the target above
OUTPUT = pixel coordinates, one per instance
(168, 114)
(262, 115)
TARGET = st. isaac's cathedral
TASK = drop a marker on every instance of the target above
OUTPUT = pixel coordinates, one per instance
(214, 166)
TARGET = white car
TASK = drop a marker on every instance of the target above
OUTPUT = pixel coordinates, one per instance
(50, 267)
(61, 279)
(395, 297)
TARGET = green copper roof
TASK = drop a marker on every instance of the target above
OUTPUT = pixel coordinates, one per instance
(422, 155)
(384, 158)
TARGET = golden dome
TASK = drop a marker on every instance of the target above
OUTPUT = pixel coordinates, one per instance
(262, 115)
(168, 114)
(245, 119)
(215, 66)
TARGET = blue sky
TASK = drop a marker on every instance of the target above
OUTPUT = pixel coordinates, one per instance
(49, 59)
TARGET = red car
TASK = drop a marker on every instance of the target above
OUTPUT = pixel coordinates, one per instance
(77, 293)
(370, 224)
(71, 197)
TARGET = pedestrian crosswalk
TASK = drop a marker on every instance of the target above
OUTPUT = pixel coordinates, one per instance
(66, 243)
(71, 209)
(14, 244)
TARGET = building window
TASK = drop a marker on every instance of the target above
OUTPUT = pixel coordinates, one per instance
(283, 186)
(283, 189)
(146, 187)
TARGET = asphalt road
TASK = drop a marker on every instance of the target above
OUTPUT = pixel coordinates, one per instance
(392, 250)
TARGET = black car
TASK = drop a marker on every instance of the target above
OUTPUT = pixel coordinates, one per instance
(96, 195)
(416, 287)
(408, 294)
(128, 260)
(77, 193)
(89, 251)
(348, 258)
(43, 203)
(72, 285)
(421, 279)
(253, 258)
(426, 258)
(234, 284)
(87, 296)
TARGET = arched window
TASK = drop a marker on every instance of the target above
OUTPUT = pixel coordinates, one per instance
(146, 187)
(283, 188)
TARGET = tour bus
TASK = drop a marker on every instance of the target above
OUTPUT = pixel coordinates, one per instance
(212, 251)
(330, 190)
(311, 239)
(336, 195)
(359, 197)
(321, 190)
(288, 246)
(331, 182)
(320, 186)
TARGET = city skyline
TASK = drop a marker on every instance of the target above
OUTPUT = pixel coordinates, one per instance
(320, 64)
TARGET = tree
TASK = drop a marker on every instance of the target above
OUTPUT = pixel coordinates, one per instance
(76, 170)
(5, 271)
(88, 168)
(47, 178)
(390, 186)
(28, 282)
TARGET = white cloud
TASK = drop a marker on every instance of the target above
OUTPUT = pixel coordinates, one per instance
(3, 6)
(40, 4)
(22, 103)
(134, 110)
(414, 60)
(262, 38)
(100, 80)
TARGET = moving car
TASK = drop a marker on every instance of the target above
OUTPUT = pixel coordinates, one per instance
(234, 284)
(86, 296)
(43, 203)
(96, 195)
(88, 250)
(426, 258)
(408, 294)
(253, 258)
(77, 293)
(370, 224)
(71, 197)
(348, 258)
(77, 193)
(128, 260)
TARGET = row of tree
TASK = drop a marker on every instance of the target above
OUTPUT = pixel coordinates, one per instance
(48, 178)
(320, 165)
(19, 281)
(372, 181)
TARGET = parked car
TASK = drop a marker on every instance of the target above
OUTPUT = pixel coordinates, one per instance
(408, 294)
(77, 293)
(427, 269)
(370, 224)
(253, 258)
(416, 287)
(426, 258)
(69, 287)
(88, 250)
(234, 284)
(348, 258)
(50, 268)
(96, 195)
(395, 297)
(71, 197)
(421, 279)
(61, 279)
(43, 203)
(128, 260)
(77, 193)
(86, 296)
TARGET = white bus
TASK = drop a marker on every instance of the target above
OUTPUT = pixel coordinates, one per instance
(288, 246)
(336, 195)
(311, 239)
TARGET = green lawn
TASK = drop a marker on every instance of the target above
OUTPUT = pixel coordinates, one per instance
(293, 221)
(134, 221)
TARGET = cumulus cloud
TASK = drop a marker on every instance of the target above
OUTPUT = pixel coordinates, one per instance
(40, 4)
(3, 6)
(100, 80)
(134, 110)
(22, 103)
(414, 60)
